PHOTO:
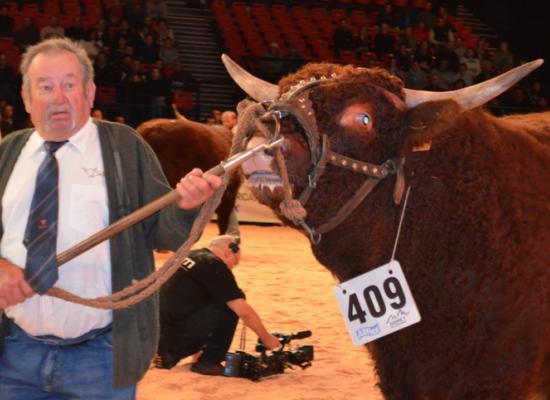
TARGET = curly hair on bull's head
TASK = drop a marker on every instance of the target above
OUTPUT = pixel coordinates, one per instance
(373, 89)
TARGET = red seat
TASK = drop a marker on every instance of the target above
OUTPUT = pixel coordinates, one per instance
(31, 10)
(183, 99)
(418, 3)
(105, 94)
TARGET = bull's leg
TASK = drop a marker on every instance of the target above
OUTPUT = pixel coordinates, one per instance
(227, 216)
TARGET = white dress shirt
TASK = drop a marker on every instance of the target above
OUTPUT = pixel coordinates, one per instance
(83, 210)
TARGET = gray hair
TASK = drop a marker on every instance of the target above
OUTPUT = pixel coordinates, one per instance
(229, 112)
(223, 241)
(57, 45)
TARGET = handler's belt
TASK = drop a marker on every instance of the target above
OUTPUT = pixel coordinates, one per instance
(57, 341)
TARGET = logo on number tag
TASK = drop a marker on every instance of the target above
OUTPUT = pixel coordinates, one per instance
(377, 303)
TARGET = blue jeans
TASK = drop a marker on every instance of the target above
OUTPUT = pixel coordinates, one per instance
(47, 367)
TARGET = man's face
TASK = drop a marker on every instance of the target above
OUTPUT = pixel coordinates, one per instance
(8, 112)
(228, 121)
(56, 97)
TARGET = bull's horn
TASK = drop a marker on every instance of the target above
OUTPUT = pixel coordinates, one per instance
(256, 88)
(476, 95)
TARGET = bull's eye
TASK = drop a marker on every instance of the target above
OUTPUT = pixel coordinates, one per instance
(365, 119)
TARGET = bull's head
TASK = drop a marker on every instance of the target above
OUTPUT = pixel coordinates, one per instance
(333, 117)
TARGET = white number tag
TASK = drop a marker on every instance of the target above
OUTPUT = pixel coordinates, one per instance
(377, 303)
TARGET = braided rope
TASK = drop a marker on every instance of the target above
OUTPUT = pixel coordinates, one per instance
(142, 289)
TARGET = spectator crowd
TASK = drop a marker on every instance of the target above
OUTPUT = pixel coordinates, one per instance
(136, 53)
(424, 50)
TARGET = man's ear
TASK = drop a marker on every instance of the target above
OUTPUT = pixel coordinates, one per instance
(25, 95)
(90, 90)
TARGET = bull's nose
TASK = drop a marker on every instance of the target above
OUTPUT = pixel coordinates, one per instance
(261, 161)
(255, 141)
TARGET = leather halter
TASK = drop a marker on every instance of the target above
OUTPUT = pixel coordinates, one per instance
(296, 102)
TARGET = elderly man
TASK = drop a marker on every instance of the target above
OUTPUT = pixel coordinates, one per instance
(229, 120)
(60, 182)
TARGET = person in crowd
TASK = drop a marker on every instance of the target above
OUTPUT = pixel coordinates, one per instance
(200, 307)
(217, 115)
(407, 38)
(483, 50)
(441, 33)
(7, 123)
(157, 89)
(91, 44)
(293, 60)
(504, 59)
(427, 16)
(149, 53)
(229, 120)
(342, 38)
(181, 78)
(535, 92)
(157, 9)
(76, 31)
(472, 62)
(420, 32)
(459, 47)
(424, 56)
(135, 13)
(6, 21)
(164, 31)
(384, 42)
(487, 72)
(106, 73)
(26, 35)
(168, 52)
(97, 114)
(387, 16)
(446, 76)
(416, 77)
(272, 65)
(433, 83)
(8, 78)
(52, 29)
(105, 172)
(447, 52)
(465, 75)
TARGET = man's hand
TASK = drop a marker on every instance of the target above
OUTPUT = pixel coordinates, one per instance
(195, 188)
(13, 287)
(271, 342)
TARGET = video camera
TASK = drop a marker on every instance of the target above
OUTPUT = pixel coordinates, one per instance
(245, 365)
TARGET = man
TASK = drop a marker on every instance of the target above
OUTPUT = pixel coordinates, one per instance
(200, 307)
(7, 124)
(229, 120)
(58, 349)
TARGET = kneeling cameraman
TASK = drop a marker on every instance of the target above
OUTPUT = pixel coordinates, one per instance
(200, 307)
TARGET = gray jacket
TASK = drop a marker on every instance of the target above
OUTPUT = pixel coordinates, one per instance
(134, 178)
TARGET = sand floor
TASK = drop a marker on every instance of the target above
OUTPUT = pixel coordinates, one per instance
(291, 292)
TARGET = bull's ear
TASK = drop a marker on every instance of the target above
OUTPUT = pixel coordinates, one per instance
(253, 86)
(427, 120)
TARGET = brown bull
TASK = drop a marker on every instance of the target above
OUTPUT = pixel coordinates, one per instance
(474, 242)
(182, 145)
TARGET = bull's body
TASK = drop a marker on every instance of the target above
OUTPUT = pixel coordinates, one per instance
(474, 249)
(474, 241)
(182, 145)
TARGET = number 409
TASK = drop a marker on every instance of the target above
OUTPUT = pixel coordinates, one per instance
(375, 301)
